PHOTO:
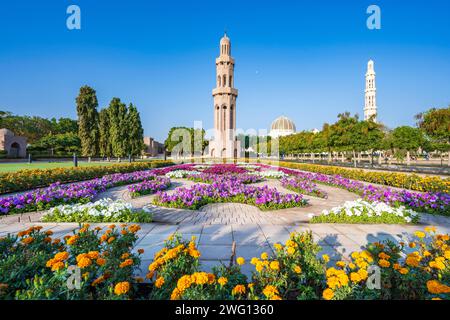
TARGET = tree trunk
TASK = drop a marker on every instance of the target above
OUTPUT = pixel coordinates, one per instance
(448, 159)
(359, 157)
(354, 158)
(342, 157)
(329, 156)
(408, 158)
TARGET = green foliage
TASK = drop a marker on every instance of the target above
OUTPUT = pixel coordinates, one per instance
(407, 138)
(435, 123)
(186, 140)
(57, 144)
(135, 131)
(88, 131)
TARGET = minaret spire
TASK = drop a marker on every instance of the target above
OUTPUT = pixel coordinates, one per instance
(370, 103)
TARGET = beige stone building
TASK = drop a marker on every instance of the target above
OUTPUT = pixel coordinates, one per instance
(15, 146)
(224, 143)
(153, 148)
(370, 105)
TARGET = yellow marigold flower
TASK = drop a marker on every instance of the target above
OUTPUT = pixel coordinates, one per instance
(274, 265)
(200, 278)
(341, 264)
(355, 255)
(84, 262)
(419, 234)
(426, 253)
(328, 294)
(430, 229)
(254, 260)
(384, 263)
(159, 282)
(291, 243)
(355, 277)
(278, 246)
(447, 254)
(240, 261)
(264, 256)
(61, 256)
(275, 297)
(57, 266)
(270, 291)
(403, 270)
(125, 255)
(126, 263)
(351, 265)
(176, 294)
(251, 285)
(194, 253)
(122, 288)
(326, 258)
(297, 269)
(27, 240)
(259, 266)
(290, 250)
(436, 298)
(436, 264)
(363, 274)
(222, 281)
(238, 289)
(101, 261)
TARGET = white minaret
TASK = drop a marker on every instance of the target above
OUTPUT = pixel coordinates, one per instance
(224, 144)
(370, 105)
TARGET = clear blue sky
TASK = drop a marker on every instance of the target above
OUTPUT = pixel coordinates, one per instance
(303, 59)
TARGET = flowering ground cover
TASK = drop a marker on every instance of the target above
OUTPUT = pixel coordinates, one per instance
(149, 186)
(361, 211)
(429, 202)
(179, 173)
(392, 179)
(30, 179)
(303, 186)
(296, 271)
(230, 190)
(34, 266)
(241, 178)
(104, 210)
(57, 194)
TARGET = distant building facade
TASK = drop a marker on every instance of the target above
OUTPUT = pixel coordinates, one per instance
(15, 146)
(153, 148)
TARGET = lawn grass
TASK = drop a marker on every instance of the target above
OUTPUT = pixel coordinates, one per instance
(12, 167)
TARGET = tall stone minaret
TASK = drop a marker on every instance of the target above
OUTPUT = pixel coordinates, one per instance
(224, 144)
(370, 106)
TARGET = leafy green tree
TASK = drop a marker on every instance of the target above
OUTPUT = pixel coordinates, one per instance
(88, 131)
(435, 123)
(408, 139)
(64, 125)
(118, 127)
(57, 144)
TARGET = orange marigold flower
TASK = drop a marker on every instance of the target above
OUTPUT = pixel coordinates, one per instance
(159, 282)
(140, 251)
(57, 266)
(61, 256)
(101, 261)
(328, 294)
(111, 239)
(122, 288)
(84, 262)
(93, 254)
(238, 289)
(222, 281)
(126, 263)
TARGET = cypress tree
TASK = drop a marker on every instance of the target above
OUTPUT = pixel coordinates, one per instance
(88, 130)
(136, 132)
(104, 131)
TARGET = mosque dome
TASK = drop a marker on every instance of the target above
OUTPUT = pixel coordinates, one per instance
(282, 126)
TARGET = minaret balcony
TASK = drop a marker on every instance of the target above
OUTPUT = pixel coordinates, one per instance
(225, 90)
(224, 58)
